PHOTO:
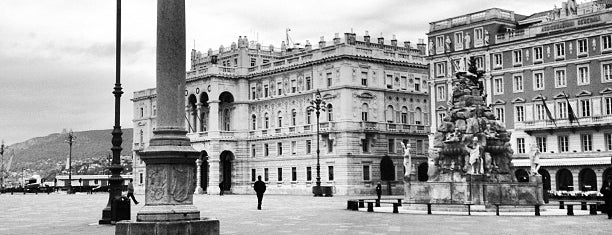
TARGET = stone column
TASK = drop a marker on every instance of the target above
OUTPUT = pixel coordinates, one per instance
(199, 189)
(187, 118)
(169, 158)
(213, 118)
(213, 175)
(199, 117)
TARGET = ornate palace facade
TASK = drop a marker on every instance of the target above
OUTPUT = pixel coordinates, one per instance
(559, 60)
(247, 112)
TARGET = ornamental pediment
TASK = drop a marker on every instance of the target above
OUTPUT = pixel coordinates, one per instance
(583, 93)
(498, 102)
(608, 90)
(518, 100)
(365, 95)
(561, 95)
(538, 98)
(441, 107)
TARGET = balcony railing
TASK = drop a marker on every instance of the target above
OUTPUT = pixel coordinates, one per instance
(547, 124)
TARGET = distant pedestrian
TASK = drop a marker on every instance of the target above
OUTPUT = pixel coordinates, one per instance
(260, 189)
(606, 190)
(378, 190)
(131, 191)
(221, 188)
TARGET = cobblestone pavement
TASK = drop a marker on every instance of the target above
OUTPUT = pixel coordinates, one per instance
(79, 214)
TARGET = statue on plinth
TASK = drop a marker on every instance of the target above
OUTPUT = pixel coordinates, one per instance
(534, 159)
(407, 160)
(475, 157)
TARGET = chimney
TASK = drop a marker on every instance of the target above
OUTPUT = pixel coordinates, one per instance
(394, 41)
(381, 40)
(308, 46)
(350, 38)
(210, 51)
(221, 48)
(336, 38)
(421, 47)
(366, 37)
(322, 42)
(407, 45)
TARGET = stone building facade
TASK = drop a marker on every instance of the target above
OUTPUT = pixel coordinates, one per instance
(557, 59)
(247, 112)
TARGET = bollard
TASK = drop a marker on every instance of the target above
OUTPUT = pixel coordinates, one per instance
(497, 209)
(592, 209)
(583, 206)
(377, 203)
(537, 210)
(469, 209)
(370, 207)
(561, 205)
(570, 209)
(361, 204)
(429, 208)
(395, 210)
(399, 201)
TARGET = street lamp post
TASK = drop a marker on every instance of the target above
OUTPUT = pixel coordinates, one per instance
(70, 139)
(318, 105)
(2, 147)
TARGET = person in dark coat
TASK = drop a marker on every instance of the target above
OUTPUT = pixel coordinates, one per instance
(260, 188)
(378, 190)
(221, 188)
(606, 190)
(131, 191)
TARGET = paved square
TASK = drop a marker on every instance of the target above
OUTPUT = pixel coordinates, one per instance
(281, 214)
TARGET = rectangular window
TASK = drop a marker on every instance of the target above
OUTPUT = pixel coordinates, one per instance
(608, 141)
(479, 61)
(364, 116)
(280, 175)
(540, 112)
(391, 145)
(140, 178)
(560, 80)
(587, 142)
(417, 84)
(583, 46)
(279, 148)
(441, 92)
(440, 69)
(329, 79)
(520, 145)
(538, 81)
(365, 145)
(308, 173)
(293, 147)
(253, 174)
(308, 83)
(266, 150)
(293, 86)
(419, 146)
(404, 82)
(253, 152)
(389, 81)
(308, 146)
(330, 145)
(606, 42)
(478, 34)
(517, 57)
(585, 108)
(608, 103)
(562, 109)
(563, 143)
(266, 91)
(583, 75)
(517, 82)
(606, 72)
(253, 61)
(537, 54)
(560, 50)
(497, 60)
(366, 172)
(294, 174)
(541, 143)
(364, 78)
(279, 87)
(498, 86)
(439, 44)
(499, 112)
(330, 173)
(253, 93)
(266, 178)
(520, 113)
(459, 41)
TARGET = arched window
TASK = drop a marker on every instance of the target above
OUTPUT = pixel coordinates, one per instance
(308, 117)
(293, 117)
(565, 180)
(226, 120)
(587, 180)
(418, 116)
(253, 122)
(266, 121)
(364, 112)
(141, 137)
(389, 114)
(280, 119)
(330, 113)
(404, 115)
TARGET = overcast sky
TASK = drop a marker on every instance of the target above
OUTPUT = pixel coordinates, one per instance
(57, 57)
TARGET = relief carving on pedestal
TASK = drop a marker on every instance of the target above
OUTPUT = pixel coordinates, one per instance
(156, 183)
(182, 181)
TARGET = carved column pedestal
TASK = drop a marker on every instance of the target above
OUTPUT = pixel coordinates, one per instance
(199, 189)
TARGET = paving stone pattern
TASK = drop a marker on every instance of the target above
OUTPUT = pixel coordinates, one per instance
(282, 214)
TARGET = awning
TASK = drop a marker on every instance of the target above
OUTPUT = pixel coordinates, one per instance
(582, 161)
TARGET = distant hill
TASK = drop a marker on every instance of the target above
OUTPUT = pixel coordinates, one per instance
(44, 154)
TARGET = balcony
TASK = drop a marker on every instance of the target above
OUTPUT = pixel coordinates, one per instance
(546, 125)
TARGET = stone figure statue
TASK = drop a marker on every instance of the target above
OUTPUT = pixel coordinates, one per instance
(475, 155)
(453, 137)
(433, 164)
(407, 159)
(534, 159)
(467, 40)
(432, 48)
(447, 44)
(486, 37)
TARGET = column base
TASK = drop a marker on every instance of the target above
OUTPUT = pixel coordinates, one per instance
(199, 190)
(199, 226)
(155, 213)
(213, 191)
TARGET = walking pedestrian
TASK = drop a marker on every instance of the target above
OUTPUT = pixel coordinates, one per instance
(606, 190)
(131, 191)
(221, 188)
(378, 190)
(260, 188)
